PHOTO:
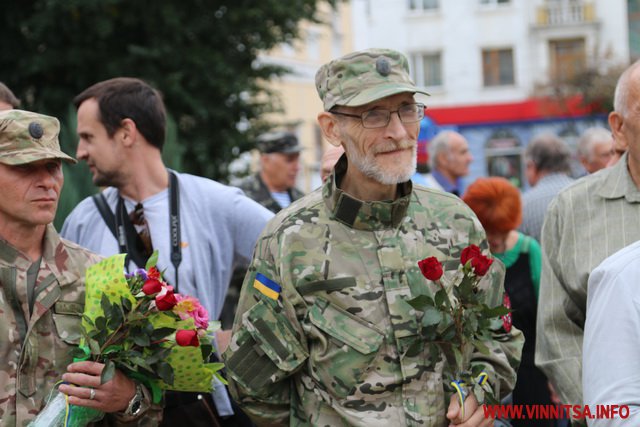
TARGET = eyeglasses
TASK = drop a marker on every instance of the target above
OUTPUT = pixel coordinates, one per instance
(379, 118)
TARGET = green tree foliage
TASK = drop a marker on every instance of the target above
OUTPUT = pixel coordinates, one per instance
(202, 55)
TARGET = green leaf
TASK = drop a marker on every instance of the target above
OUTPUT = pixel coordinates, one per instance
(78, 353)
(458, 356)
(101, 323)
(112, 349)
(431, 316)
(495, 311)
(160, 333)
(165, 372)
(105, 304)
(94, 346)
(206, 350)
(141, 339)
(108, 372)
(88, 320)
(442, 299)
(152, 261)
(126, 304)
(420, 302)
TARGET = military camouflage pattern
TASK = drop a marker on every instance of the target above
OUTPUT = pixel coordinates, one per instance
(331, 351)
(278, 142)
(34, 350)
(256, 189)
(27, 137)
(363, 77)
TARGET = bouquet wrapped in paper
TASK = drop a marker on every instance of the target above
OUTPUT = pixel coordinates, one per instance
(137, 324)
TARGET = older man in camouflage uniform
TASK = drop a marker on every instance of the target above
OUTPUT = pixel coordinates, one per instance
(42, 286)
(323, 326)
(274, 185)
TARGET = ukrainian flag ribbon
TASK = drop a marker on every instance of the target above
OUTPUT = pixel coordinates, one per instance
(266, 286)
(459, 386)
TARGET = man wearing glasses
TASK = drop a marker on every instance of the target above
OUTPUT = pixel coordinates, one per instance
(323, 327)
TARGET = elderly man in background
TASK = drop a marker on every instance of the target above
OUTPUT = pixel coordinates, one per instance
(547, 170)
(449, 159)
(586, 223)
(595, 149)
(42, 288)
(274, 185)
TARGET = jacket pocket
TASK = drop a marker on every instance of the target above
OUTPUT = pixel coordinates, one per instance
(343, 350)
(67, 316)
(268, 349)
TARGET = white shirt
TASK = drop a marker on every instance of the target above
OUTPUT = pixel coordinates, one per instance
(611, 349)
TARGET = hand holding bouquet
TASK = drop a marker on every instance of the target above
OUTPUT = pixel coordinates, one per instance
(136, 324)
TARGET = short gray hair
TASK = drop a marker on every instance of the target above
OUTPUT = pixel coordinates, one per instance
(589, 138)
(439, 144)
(548, 153)
(622, 90)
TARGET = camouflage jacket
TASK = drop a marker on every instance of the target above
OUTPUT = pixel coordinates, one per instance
(34, 351)
(331, 349)
(255, 189)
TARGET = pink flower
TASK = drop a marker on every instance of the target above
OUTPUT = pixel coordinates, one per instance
(165, 300)
(187, 337)
(190, 307)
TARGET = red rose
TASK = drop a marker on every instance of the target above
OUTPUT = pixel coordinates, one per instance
(151, 286)
(431, 268)
(153, 273)
(166, 300)
(481, 264)
(187, 337)
(468, 253)
(506, 319)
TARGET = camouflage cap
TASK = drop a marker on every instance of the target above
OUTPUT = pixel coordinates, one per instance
(278, 142)
(363, 77)
(27, 137)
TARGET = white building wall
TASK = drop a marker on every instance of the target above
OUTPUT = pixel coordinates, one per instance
(460, 29)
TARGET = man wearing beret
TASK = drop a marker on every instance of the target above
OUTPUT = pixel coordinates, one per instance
(274, 185)
(42, 287)
(323, 328)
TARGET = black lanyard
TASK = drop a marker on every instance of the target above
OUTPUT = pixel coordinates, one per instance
(126, 233)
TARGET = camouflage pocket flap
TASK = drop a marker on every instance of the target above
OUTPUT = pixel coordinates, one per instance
(64, 307)
(275, 336)
(329, 285)
(343, 326)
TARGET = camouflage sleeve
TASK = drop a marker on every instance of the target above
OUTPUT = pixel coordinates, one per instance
(267, 347)
(505, 349)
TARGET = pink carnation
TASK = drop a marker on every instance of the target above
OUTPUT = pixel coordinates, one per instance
(190, 307)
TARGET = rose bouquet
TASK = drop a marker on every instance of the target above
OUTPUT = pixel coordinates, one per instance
(137, 324)
(456, 321)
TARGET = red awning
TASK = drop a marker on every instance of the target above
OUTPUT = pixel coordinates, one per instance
(530, 109)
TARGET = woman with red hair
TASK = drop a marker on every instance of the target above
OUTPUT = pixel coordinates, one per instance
(497, 205)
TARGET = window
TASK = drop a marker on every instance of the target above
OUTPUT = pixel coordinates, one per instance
(568, 59)
(503, 154)
(497, 67)
(419, 5)
(427, 69)
(495, 1)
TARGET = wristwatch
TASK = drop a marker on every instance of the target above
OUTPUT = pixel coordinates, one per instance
(136, 406)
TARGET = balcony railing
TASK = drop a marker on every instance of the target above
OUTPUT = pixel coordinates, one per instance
(566, 13)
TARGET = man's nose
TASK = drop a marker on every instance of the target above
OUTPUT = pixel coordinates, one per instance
(395, 129)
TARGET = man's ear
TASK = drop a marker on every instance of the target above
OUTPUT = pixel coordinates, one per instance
(330, 128)
(128, 132)
(616, 121)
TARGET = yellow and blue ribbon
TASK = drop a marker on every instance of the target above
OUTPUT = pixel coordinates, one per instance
(267, 287)
(459, 387)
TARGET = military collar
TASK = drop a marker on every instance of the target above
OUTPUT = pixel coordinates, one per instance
(53, 254)
(363, 215)
(617, 182)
